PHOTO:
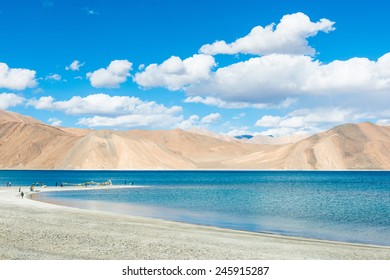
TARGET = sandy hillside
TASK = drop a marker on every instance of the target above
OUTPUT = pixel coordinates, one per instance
(6, 116)
(268, 140)
(349, 146)
(26, 143)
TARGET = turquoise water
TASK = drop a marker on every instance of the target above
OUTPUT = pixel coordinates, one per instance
(342, 206)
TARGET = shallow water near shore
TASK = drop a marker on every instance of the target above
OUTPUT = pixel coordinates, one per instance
(341, 206)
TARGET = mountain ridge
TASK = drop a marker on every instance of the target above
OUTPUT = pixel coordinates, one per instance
(26, 143)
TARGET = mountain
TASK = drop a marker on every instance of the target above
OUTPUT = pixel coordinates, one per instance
(29, 144)
(258, 139)
(270, 140)
(26, 143)
(244, 136)
(6, 116)
(349, 146)
(205, 132)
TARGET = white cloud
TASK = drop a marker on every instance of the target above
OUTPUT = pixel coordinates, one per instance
(288, 37)
(212, 118)
(384, 122)
(307, 121)
(132, 121)
(308, 117)
(112, 76)
(271, 78)
(102, 104)
(188, 123)
(239, 131)
(276, 132)
(289, 131)
(196, 121)
(264, 79)
(8, 100)
(55, 121)
(75, 65)
(175, 74)
(217, 102)
(16, 78)
(53, 77)
(213, 101)
(113, 111)
(280, 76)
(268, 121)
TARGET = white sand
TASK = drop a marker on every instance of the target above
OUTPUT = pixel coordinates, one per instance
(35, 230)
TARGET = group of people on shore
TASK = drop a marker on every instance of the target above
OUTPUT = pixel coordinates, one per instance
(41, 184)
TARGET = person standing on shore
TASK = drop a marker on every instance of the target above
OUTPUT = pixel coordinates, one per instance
(20, 188)
(22, 194)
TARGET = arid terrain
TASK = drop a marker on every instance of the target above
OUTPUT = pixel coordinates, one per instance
(26, 143)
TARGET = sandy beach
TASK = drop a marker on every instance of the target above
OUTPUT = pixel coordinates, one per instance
(33, 230)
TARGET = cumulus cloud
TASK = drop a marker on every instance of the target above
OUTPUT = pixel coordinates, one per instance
(308, 117)
(288, 37)
(188, 123)
(269, 121)
(307, 120)
(112, 76)
(132, 121)
(55, 121)
(239, 131)
(290, 131)
(101, 104)
(53, 77)
(175, 74)
(282, 74)
(8, 100)
(196, 121)
(384, 122)
(16, 78)
(212, 118)
(113, 111)
(75, 66)
(217, 102)
(275, 77)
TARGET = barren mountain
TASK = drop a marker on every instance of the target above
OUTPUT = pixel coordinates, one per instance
(269, 140)
(349, 146)
(6, 116)
(26, 143)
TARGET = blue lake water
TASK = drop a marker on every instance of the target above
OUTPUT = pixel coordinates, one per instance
(352, 206)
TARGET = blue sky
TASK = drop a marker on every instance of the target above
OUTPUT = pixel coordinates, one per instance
(260, 67)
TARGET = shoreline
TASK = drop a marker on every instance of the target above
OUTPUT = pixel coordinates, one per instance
(81, 188)
(200, 170)
(159, 239)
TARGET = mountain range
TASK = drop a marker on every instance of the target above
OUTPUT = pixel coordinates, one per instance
(26, 143)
